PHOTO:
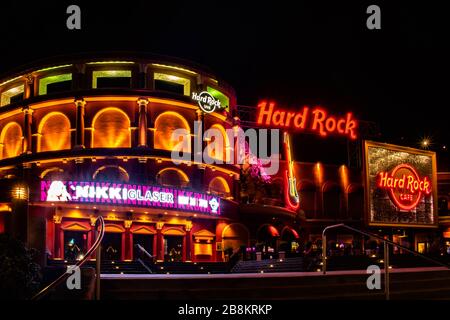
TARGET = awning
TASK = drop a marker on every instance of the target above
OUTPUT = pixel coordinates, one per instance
(293, 232)
(273, 231)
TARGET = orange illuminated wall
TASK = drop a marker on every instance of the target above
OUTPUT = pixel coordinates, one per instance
(11, 140)
(165, 124)
(111, 129)
(218, 149)
(54, 132)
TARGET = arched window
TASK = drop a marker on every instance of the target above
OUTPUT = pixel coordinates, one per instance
(307, 194)
(11, 140)
(111, 129)
(54, 131)
(219, 186)
(111, 173)
(172, 177)
(218, 144)
(165, 124)
(331, 201)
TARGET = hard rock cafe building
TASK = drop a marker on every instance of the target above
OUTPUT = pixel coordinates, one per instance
(91, 136)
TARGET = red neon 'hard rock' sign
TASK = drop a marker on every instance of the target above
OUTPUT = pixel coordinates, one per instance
(315, 119)
(404, 185)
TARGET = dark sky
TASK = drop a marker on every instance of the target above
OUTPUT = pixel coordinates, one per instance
(315, 52)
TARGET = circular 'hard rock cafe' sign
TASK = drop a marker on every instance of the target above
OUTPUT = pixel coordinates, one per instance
(405, 186)
(206, 101)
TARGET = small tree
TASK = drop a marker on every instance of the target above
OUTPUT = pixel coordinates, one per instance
(19, 275)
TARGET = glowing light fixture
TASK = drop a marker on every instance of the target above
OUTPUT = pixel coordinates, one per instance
(20, 192)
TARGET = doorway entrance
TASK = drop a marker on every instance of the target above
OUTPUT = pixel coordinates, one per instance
(75, 244)
(112, 246)
(173, 248)
(145, 241)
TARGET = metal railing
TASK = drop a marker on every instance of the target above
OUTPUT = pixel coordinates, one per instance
(95, 247)
(144, 256)
(386, 243)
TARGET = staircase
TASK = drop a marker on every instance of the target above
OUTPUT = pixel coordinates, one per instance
(108, 266)
(429, 284)
(190, 267)
(270, 265)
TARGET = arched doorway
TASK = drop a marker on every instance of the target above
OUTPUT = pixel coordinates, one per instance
(144, 237)
(75, 239)
(290, 241)
(112, 244)
(174, 245)
(235, 236)
(267, 237)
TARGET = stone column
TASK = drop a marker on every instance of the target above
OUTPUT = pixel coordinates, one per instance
(79, 140)
(58, 254)
(159, 241)
(128, 240)
(188, 228)
(27, 146)
(142, 130)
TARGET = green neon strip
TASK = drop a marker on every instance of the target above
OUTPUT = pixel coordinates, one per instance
(109, 74)
(44, 82)
(224, 100)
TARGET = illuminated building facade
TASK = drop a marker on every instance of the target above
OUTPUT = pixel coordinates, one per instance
(93, 136)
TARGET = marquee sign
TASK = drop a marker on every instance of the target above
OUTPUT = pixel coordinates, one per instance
(206, 101)
(311, 119)
(400, 185)
(129, 194)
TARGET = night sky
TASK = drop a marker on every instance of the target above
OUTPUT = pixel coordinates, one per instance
(315, 52)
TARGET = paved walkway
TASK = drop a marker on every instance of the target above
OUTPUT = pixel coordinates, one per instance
(259, 275)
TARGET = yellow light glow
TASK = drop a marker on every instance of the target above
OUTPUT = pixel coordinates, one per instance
(54, 132)
(318, 173)
(20, 192)
(218, 185)
(54, 68)
(11, 140)
(213, 147)
(165, 124)
(173, 68)
(343, 173)
(111, 129)
(173, 177)
(8, 94)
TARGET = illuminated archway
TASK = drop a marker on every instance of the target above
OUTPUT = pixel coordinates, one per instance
(54, 173)
(111, 129)
(219, 150)
(234, 236)
(172, 177)
(11, 139)
(111, 173)
(165, 124)
(54, 132)
(219, 186)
